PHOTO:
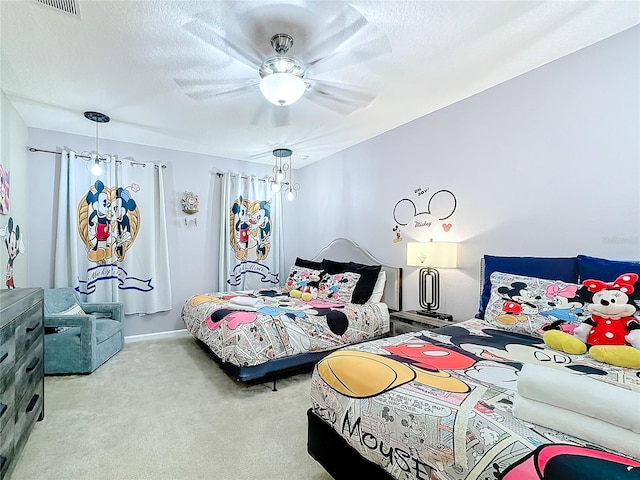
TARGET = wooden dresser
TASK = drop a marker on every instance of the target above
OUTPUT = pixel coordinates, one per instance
(21, 370)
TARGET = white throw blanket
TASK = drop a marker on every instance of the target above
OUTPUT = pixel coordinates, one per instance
(581, 394)
(246, 303)
(598, 432)
(584, 407)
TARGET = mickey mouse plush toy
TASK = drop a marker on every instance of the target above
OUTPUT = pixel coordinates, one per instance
(612, 334)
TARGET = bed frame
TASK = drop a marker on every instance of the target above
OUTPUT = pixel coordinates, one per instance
(336, 456)
(344, 250)
(339, 250)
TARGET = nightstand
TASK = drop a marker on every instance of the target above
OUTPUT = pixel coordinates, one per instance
(410, 321)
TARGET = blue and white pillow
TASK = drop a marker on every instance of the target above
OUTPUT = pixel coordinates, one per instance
(526, 304)
(338, 287)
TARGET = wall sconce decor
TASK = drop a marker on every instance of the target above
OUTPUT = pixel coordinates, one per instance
(95, 160)
(279, 181)
(431, 255)
(190, 205)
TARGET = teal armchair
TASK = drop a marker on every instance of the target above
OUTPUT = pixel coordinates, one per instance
(79, 342)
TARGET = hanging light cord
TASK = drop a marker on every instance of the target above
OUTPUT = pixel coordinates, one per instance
(97, 151)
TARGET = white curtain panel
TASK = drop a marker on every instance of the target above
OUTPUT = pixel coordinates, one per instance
(111, 240)
(66, 253)
(251, 249)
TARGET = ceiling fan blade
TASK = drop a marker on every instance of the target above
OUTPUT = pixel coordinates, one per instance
(203, 89)
(339, 97)
(365, 51)
(208, 35)
(273, 115)
(343, 27)
(281, 116)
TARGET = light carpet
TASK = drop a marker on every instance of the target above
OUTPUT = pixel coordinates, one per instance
(163, 409)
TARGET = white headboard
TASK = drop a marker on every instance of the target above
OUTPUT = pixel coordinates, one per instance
(344, 250)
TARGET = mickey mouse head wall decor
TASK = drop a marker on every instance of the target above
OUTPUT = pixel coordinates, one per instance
(190, 205)
(414, 219)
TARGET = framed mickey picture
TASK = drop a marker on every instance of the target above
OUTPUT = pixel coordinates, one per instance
(4, 190)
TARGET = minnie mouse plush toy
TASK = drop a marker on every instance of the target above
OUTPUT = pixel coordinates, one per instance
(612, 334)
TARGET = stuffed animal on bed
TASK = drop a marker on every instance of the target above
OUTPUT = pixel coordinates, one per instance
(612, 333)
(306, 288)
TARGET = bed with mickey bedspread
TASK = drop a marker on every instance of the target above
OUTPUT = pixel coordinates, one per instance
(341, 296)
(522, 392)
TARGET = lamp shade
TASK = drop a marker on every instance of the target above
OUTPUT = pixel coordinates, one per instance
(282, 88)
(432, 254)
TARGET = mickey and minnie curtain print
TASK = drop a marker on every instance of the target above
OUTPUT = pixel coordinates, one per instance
(251, 248)
(111, 239)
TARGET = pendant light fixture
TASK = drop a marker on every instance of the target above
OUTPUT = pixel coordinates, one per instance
(95, 160)
(279, 181)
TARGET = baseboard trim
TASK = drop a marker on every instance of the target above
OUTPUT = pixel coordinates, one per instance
(157, 335)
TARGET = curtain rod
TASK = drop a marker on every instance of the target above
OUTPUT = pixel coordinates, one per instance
(244, 177)
(32, 149)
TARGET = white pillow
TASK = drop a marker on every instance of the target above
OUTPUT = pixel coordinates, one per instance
(74, 309)
(378, 288)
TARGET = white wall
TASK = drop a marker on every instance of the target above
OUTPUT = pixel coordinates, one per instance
(193, 249)
(13, 135)
(547, 164)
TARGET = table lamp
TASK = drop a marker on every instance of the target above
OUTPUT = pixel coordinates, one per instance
(429, 256)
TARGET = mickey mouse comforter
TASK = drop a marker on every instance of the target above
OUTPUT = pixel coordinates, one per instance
(438, 405)
(253, 327)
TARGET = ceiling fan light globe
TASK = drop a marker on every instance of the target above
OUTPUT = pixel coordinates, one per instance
(282, 89)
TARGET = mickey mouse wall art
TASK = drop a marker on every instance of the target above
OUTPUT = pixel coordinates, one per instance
(15, 245)
(413, 219)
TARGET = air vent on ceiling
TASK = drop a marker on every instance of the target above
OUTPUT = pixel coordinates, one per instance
(67, 6)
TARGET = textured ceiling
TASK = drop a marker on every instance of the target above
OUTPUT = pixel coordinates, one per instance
(377, 64)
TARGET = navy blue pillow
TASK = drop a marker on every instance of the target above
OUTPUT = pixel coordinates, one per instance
(302, 262)
(603, 269)
(565, 269)
(331, 266)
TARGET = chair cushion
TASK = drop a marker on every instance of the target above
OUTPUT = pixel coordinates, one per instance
(68, 330)
(106, 328)
(68, 336)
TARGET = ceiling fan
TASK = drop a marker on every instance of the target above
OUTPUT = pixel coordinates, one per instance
(282, 76)
(283, 79)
